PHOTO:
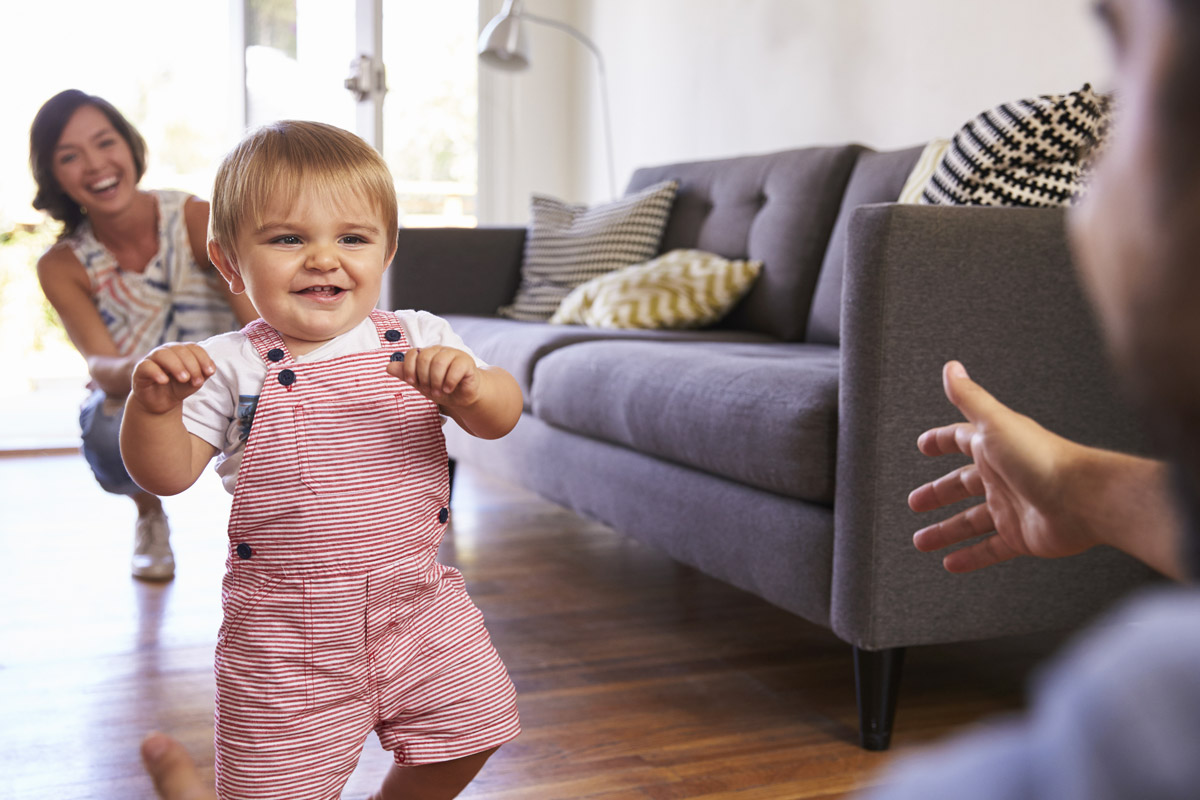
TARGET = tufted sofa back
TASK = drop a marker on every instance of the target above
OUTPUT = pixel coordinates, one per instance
(781, 209)
(778, 208)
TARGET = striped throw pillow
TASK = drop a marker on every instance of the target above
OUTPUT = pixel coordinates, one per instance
(681, 289)
(568, 245)
(1033, 152)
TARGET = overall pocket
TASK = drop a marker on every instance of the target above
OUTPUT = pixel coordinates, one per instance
(356, 447)
(263, 657)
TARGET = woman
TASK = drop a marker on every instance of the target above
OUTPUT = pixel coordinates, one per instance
(129, 271)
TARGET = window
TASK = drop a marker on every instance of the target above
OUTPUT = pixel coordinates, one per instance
(190, 89)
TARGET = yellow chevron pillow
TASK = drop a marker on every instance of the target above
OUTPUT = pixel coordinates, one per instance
(679, 289)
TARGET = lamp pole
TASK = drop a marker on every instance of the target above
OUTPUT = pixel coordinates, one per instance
(502, 45)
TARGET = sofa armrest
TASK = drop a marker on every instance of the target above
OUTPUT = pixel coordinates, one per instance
(456, 270)
(994, 288)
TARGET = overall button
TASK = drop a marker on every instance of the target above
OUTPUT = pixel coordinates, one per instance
(275, 354)
(244, 551)
(397, 356)
(443, 515)
(392, 335)
(287, 377)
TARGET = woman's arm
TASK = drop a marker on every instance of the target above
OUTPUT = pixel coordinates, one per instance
(195, 214)
(65, 283)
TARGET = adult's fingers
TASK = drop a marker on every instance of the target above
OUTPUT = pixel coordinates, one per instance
(946, 440)
(976, 404)
(962, 527)
(955, 485)
(985, 553)
(174, 773)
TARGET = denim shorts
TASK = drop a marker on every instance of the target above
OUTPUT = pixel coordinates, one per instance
(100, 425)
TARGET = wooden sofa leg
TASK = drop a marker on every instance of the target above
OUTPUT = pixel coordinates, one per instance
(876, 683)
(450, 469)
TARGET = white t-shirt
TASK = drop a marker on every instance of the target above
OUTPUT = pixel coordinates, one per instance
(221, 411)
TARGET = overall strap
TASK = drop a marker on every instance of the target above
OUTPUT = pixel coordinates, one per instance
(390, 332)
(267, 342)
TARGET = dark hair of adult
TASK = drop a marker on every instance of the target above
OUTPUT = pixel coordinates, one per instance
(44, 134)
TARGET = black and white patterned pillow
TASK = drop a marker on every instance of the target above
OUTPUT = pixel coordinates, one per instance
(568, 245)
(1028, 153)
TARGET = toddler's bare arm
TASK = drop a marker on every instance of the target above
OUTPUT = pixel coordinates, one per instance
(485, 402)
(159, 452)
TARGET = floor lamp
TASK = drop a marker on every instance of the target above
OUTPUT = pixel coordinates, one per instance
(504, 45)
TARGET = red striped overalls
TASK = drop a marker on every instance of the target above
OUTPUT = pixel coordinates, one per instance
(338, 618)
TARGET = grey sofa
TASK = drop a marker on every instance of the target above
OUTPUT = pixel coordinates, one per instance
(776, 450)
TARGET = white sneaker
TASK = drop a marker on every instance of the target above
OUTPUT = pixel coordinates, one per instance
(152, 556)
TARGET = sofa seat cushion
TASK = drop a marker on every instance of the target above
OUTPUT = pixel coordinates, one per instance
(762, 415)
(517, 346)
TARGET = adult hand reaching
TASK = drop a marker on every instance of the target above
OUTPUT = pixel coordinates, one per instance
(174, 773)
(1043, 495)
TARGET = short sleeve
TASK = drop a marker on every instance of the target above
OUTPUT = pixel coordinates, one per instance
(428, 330)
(210, 412)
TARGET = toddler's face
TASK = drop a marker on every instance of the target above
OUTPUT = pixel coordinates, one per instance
(314, 269)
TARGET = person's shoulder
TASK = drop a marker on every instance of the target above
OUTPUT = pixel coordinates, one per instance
(194, 207)
(195, 219)
(232, 343)
(59, 253)
(58, 261)
(1153, 635)
(423, 327)
(176, 197)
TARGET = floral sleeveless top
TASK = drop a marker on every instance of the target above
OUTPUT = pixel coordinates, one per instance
(172, 300)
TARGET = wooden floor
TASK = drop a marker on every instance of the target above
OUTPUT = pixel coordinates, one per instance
(638, 678)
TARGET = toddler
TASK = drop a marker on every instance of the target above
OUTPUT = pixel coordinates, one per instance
(325, 416)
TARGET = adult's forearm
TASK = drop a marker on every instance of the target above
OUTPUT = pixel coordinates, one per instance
(1129, 504)
(112, 373)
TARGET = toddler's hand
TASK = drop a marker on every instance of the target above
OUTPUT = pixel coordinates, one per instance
(446, 375)
(168, 374)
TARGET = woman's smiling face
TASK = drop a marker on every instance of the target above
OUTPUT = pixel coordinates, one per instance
(93, 163)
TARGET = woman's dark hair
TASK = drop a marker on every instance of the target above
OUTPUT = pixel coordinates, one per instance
(44, 134)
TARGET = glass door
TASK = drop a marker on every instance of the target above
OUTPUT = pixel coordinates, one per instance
(296, 57)
(312, 59)
(430, 116)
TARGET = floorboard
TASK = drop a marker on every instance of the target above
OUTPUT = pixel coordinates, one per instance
(639, 679)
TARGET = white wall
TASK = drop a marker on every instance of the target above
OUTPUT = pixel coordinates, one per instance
(527, 120)
(693, 79)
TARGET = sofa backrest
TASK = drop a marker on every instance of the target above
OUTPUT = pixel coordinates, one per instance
(878, 177)
(778, 208)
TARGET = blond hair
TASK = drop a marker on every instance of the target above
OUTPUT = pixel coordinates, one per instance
(277, 161)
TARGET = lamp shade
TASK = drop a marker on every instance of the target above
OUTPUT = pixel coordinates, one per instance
(503, 43)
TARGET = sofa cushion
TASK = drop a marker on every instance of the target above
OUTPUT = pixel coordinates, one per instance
(681, 289)
(762, 415)
(877, 178)
(517, 346)
(570, 244)
(777, 208)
